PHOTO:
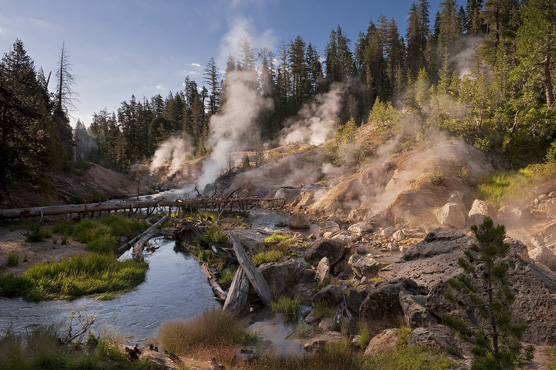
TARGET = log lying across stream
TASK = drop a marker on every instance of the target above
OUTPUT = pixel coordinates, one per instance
(133, 207)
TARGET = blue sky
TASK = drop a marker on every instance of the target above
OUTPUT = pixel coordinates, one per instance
(122, 47)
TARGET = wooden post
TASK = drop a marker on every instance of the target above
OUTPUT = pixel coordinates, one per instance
(237, 295)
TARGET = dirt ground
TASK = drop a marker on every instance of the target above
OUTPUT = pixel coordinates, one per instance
(13, 241)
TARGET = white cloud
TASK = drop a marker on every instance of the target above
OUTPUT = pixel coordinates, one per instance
(196, 65)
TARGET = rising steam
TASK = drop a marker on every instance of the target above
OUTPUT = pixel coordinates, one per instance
(174, 150)
(233, 128)
(315, 120)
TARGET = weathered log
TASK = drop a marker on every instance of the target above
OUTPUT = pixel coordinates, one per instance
(216, 288)
(238, 292)
(140, 245)
(153, 227)
(131, 206)
(253, 274)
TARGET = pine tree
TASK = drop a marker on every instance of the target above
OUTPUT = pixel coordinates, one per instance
(212, 78)
(484, 292)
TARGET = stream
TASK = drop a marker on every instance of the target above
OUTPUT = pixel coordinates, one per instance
(175, 288)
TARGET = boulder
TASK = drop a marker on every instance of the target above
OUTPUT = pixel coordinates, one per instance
(544, 236)
(320, 248)
(399, 236)
(544, 256)
(299, 221)
(354, 298)
(331, 295)
(278, 275)
(479, 210)
(364, 266)
(438, 337)
(251, 239)
(434, 260)
(323, 271)
(360, 228)
(328, 227)
(451, 215)
(381, 308)
(383, 342)
(387, 232)
(319, 343)
(326, 324)
(415, 311)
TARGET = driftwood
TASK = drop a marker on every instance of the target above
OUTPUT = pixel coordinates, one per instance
(152, 228)
(238, 292)
(216, 288)
(253, 274)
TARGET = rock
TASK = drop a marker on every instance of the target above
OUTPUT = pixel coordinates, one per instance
(354, 299)
(434, 260)
(323, 271)
(364, 266)
(545, 256)
(548, 207)
(381, 308)
(383, 342)
(326, 324)
(319, 343)
(341, 238)
(331, 295)
(278, 275)
(305, 275)
(451, 215)
(552, 194)
(542, 197)
(387, 232)
(392, 247)
(363, 249)
(415, 311)
(360, 228)
(252, 240)
(309, 316)
(546, 235)
(479, 210)
(436, 337)
(398, 236)
(328, 227)
(299, 221)
(324, 248)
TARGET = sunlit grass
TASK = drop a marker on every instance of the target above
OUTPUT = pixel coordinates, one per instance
(268, 256)
(74, 277)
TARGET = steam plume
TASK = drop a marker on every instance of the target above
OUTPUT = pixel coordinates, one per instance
(316, 119)
(174, 150)
(231, 130)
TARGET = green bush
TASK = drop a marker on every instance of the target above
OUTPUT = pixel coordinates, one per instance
(290, 306)
(34, 234)
(268, 256)
(12, 260)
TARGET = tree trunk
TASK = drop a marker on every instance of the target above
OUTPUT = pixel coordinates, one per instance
(238, 292)
(548, 82)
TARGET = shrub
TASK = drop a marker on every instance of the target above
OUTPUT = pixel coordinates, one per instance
(34, 235)
(290, 306)
(213, 329)
(268, 256)
(12, 259)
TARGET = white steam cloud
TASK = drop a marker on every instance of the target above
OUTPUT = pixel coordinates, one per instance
(464, 59)
(316, 119)
(174, 151)
(232, 129)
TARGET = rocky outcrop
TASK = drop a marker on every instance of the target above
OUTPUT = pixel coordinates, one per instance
(381, 309)
(383, 342)
(415, 312)
(544, 256)
(331, 295)
(438, 337)
(299, 221)
(434, 260)
(319, 343)
(364, 266)
(451, 215)
(320, 248)
(479, 210)
(278, 275)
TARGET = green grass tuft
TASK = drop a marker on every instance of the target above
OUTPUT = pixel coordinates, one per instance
(12, 259)
(290, 306)
(268, 256)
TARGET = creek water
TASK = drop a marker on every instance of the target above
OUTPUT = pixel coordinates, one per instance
(175, 288)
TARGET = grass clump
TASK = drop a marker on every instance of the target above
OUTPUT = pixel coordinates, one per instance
(12, 259)
(323, 309)
(41, 349)
(35, 234)
(290, 306)
(268, 256)
(226, 276)
(278, 241)
(502, 187)
(74, 277)
(410, 358)
(214, 329)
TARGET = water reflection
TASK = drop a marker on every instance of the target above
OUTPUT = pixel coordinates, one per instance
(175, 288)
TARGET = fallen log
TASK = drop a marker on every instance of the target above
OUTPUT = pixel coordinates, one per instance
(153, 227)
(253, 274)
(238, 292)
(138, 247)
(216, 288)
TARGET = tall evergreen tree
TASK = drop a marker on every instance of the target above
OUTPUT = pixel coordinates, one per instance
(212, 78)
